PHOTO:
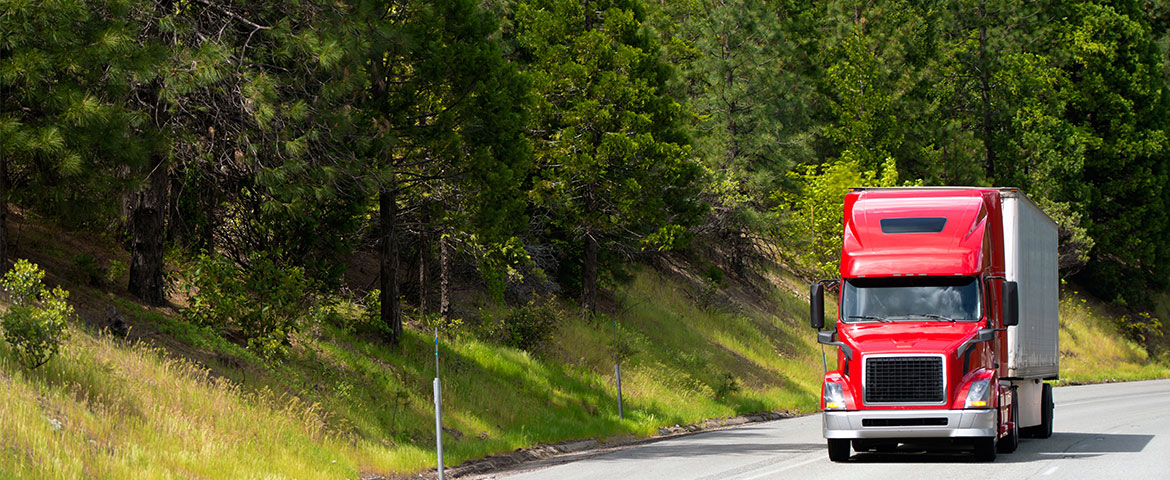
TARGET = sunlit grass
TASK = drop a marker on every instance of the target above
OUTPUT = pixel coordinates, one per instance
(344, 404)
(106, 410)
(1093, 350)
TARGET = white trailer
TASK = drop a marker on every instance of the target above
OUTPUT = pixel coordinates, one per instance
(1033, 354)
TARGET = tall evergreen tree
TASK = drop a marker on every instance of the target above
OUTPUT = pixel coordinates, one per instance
(444, 105)
(1121, 102)
(66, 122)
(615, 170)
(749, 109)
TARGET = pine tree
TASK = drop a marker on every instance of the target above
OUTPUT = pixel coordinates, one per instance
(1121, 103)
(447, 108)
(748, 106)
(65, 123)
(614, 168)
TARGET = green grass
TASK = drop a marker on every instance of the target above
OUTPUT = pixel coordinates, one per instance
(1091, 348)
(344, 404)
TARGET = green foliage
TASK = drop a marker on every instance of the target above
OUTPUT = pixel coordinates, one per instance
(265, 301)
(500, 263)
(747, 113)
(1144, 329)
(727, 385)
(37, 319)
(114, 271)
(815, 218)
(85, 263)
(1121, 103)
(614, 162)
(66, 117)
(527, 327)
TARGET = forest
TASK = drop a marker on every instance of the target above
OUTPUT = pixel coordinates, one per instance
(248, 148)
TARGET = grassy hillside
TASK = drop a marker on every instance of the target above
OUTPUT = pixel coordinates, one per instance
(1093, 350)
(177, 401)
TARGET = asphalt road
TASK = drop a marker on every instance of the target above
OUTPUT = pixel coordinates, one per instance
(1119, 430)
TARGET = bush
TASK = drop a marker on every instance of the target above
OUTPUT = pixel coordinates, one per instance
(263, 301)
(36, 322)
(527, 327)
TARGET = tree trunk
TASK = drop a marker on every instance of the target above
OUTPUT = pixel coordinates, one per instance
(147, 210)
(589, 277)
(444, 277)
(388, 265)
(3, 214)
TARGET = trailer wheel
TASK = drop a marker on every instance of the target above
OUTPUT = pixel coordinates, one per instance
(1009, 443)
(1044, 429)
(1046, 411)
(838, 450)
(985, 449)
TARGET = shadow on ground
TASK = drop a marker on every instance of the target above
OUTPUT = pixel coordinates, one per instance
(1061, 445)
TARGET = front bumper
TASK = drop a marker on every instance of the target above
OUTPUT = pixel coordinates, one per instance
(910, 423)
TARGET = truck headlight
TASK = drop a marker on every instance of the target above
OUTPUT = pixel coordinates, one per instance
(978, 394)
(834, 396)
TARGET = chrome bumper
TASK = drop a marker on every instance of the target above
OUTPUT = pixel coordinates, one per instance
(910, 423)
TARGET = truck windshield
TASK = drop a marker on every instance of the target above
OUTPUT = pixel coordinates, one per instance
(935, 299)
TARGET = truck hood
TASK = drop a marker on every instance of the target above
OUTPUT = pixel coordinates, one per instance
(907, 337)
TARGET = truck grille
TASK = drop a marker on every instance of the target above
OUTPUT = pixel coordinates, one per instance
(904, 380)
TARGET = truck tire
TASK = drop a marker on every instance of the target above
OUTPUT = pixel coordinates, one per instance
(1044, 429)
(1009, 443)
(1046, 411)
(985, 449)
(838, 450)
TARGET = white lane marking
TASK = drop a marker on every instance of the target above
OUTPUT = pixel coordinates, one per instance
(784, 468)
(1050, 471)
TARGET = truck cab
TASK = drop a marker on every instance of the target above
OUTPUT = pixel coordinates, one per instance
(933, 343)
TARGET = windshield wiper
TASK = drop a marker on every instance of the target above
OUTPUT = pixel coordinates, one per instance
(936, 317)
(871, 317)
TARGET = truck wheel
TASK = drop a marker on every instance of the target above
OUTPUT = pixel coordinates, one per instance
(985, 449)
(838, 450)
(1009, 443)
(1044, 429)
(1046, 411)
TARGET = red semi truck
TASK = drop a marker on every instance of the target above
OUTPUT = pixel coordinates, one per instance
(947, 321)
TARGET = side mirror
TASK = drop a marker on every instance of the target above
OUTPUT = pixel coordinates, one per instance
(1011, 304)
(816, 306)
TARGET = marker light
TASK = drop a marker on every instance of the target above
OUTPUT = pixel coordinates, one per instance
(978, 394)
(834, 396)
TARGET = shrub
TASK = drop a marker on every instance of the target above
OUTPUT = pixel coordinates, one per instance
(89, 269)
(36, 322)
(114, 271)
(264, 301)
(527, 327)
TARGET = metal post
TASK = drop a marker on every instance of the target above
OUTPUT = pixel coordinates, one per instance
(438, 410)
(618, 368)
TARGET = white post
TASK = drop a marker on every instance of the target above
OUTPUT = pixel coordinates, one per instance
(439, 427)
(438, 410)
(618, 368)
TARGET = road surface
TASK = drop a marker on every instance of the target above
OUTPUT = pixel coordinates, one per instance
(1119, 430)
